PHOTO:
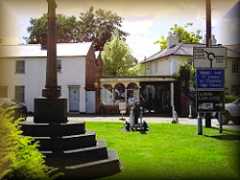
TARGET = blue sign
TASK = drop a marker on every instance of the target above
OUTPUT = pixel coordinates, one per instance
(210, 79)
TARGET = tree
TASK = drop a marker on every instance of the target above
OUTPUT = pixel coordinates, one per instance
(116, 57)
(183, 34)
(184, 75)
(136, 70)
(67, 29)
(92, 26)
(98, 26)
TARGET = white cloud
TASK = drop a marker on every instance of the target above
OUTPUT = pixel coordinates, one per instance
(138, 40)
(141, 46)
(137, 26)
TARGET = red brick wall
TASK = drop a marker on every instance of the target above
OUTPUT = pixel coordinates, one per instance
(93, 74)
(93, 70)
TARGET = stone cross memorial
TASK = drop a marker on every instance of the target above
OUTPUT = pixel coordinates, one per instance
(67, 145)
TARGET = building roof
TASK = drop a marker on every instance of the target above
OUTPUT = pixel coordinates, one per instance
(234, 12)
(233, 50)
(182, 49)
(34, 50)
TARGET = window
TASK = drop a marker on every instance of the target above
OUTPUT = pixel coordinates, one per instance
(19, 94)
(155, 68)
(3, 91)
(236, 67)
(20, 67)
(59, 66)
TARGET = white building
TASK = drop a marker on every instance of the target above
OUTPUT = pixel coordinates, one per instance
(23, 73)
(168, 61)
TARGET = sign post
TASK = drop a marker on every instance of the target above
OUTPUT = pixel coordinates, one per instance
(209, 64)
(200, 128)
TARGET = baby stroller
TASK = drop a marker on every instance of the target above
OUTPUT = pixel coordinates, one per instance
(135, 121)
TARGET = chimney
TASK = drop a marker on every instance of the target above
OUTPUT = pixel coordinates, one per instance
(172, 39)
(213, 39)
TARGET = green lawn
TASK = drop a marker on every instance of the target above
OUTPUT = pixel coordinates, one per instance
(172, 151)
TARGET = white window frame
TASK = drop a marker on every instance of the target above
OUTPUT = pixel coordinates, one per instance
(20, 70)
(22, 96)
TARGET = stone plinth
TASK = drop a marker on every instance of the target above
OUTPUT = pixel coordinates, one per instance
(72, 149)
(50, 110)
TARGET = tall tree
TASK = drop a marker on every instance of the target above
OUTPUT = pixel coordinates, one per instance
(67, 29)
(116, 57)
(96, 26)
(183, 34)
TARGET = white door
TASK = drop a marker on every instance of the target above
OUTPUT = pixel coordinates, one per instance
(74, 98)
(91, 101)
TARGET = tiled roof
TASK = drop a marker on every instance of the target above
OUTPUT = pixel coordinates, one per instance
(34, 50)
(234, 12)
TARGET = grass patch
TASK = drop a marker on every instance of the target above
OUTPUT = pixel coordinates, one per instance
(172, 151)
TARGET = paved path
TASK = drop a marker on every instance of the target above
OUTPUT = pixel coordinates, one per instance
(148, 119)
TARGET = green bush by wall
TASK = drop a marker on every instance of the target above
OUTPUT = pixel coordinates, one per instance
(19, 156)
(230, 98)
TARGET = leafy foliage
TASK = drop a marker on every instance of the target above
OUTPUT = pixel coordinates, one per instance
(116, 57)
(99, 25)
(67, 29)
(96, 26)
(230, 98)
(8, 144)
(186, 75)
(136, 70)
(19, 156)
(183, 34)
(162, 42)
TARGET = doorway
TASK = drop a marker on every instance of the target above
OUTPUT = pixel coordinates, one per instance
(74, 98)
(91, 101)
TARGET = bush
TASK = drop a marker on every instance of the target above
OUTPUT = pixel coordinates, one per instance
(229, 98)
(19, 156)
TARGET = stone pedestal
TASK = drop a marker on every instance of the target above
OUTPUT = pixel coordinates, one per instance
(50, 110)
(72, 149)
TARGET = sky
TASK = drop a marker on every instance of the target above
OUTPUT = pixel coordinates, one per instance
(145, 20)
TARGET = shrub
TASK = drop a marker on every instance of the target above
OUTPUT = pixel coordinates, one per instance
(19, 156)
(229, 98)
